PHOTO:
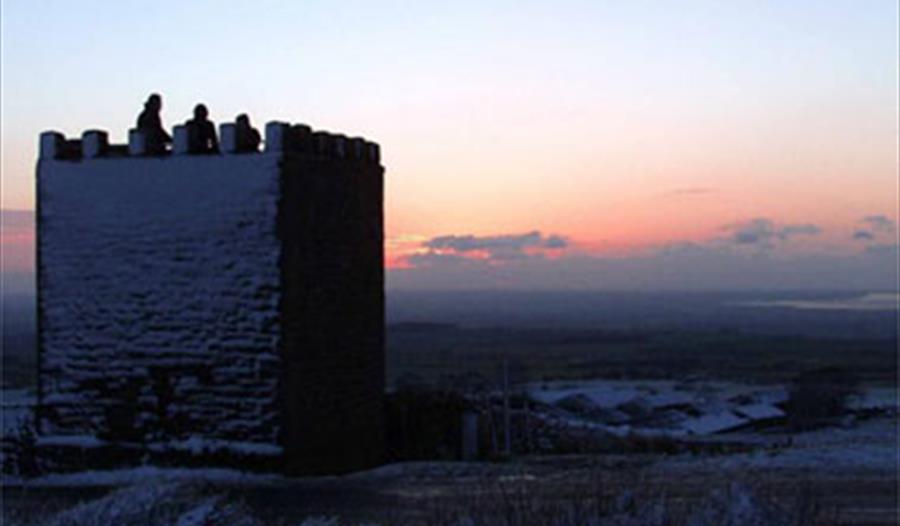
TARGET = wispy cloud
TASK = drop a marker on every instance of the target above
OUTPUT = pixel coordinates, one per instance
(874, 227)
(502, 247)
(807, 229)
(879, 222)
(863, 235)
(688, 191)
(519, 261)
(763, 232)
(468, 243)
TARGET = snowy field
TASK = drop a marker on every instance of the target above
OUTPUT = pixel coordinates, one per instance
(679, 409)
(652, 408)
(737, 490)
(850, 471)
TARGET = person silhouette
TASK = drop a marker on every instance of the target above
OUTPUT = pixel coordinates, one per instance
(201, 132)
(150, 124)
(246, 137)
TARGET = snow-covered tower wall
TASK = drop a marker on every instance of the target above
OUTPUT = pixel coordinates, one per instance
(230, 301)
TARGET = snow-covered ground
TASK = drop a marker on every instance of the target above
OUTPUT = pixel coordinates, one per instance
(662, 407)
(657, 393)
(678, 409)
(876, 397)
(186, 504)
(879, 301)
(145, 475)
(870, 445)
(691, 409)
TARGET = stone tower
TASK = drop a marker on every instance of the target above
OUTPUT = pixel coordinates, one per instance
(225, 307)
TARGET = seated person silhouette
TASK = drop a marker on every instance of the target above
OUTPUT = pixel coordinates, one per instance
(201, 132)
(246, 137)
(150, 125)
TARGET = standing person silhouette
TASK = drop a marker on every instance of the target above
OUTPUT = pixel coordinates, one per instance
(150, 124)
(201, 132)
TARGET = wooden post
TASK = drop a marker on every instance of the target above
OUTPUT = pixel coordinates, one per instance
(507, 438)
(469, 435)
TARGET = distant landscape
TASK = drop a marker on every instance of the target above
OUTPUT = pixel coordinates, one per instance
(756, 336)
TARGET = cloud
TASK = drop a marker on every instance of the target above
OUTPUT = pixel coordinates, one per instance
(863, 235)
(689, 191)
(879, 222)
(684, 266)
(515, 261)
(799, 230)
(555, 242)
(763, 232)
(752, 232)
(470, 243)
(435, 259)
(876, 226)
(496, 248)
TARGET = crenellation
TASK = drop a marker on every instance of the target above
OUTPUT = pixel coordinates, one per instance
(277, 136)
(94, 143)
(280, 137)
(301, 138)
(71, 149)
(228, 138)
(51, 144)
(137, 143)
(357, 148)
(322, 143)
(180, 140)
(373, 152)
(340, 146)
(55, 146)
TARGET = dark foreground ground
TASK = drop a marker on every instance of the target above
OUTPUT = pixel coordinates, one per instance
(826, 477)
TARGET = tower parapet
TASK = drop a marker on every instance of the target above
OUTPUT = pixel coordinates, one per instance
(279, 137)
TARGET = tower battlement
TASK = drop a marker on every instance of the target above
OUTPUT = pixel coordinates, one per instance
(226, 303)
(279, 137)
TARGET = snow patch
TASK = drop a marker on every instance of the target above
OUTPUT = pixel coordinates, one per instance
(145, 474)
(199, 445)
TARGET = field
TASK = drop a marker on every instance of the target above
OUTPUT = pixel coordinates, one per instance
(436, 351)
(649, 376)
(609, 489)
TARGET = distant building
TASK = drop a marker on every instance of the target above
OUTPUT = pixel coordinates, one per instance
(226, 305)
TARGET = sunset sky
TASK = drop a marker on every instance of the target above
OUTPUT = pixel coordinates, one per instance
(527, 144)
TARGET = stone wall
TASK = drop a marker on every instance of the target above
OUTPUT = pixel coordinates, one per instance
(158, 298)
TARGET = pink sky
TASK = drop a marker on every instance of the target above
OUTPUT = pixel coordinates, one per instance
(623, 128)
